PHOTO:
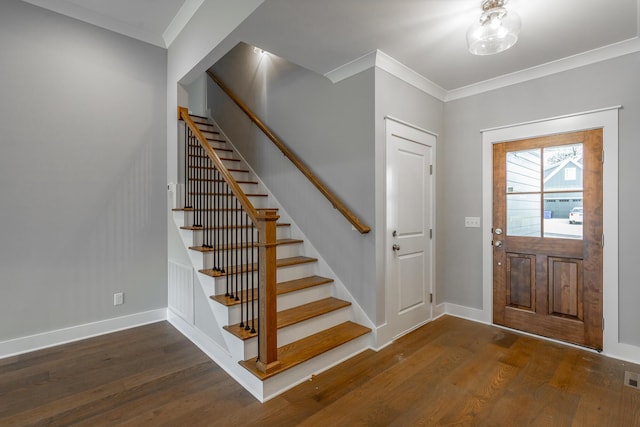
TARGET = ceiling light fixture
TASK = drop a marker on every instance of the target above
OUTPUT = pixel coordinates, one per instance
(496, 30)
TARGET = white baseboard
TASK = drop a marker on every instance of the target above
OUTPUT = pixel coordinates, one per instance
(618, 350)
(439, 310)
(463, 312)
(622, 351)
(75, 333)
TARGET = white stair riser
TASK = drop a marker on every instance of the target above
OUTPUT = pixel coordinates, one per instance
(194, 237)
(226, 217)
(283, 274)
(304, 296)
(301, 330)
(210, 259)
(283, 381)
(223, 201)
(296, 271)
(285, 302)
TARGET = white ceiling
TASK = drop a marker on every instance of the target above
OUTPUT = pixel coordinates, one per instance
(427, 36)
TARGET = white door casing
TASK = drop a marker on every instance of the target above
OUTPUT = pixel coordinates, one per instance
(409, 215)
(607, 119)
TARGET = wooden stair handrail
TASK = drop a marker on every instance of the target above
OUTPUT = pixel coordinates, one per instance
(333, 199)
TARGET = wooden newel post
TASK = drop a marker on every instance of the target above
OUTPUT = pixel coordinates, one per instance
(267, 310)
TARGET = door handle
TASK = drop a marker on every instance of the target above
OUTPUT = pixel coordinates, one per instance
(498, 243)
(395, 247)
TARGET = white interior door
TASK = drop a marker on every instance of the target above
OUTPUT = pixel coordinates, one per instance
(409, 243)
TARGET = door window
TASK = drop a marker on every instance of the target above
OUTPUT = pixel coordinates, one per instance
(544, 189)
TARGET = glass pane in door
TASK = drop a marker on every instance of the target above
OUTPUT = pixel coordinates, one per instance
(523, 171)
(563, 168)
(523, 215)
(563, 215)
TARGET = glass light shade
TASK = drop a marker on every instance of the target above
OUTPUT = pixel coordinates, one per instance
(496, 31)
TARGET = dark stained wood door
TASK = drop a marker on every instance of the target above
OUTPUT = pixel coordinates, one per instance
(547, 236)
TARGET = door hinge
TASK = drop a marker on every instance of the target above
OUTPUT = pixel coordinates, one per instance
(602, 240)
(430, 169)
(431, 298)
(431, 233)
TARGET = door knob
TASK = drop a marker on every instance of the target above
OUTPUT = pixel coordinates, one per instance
(395, 247)
(497, 243)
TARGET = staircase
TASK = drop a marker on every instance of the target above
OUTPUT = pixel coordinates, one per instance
(315, 329)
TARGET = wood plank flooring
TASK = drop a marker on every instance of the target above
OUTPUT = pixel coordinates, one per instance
(449, 372)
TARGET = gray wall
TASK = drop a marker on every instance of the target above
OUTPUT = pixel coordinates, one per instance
(331, 127)
(605, 84)
(400, 100)
(83, 172)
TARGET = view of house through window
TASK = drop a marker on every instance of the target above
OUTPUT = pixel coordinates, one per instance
(545, 192)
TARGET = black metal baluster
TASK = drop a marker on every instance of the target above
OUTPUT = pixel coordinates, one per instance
(197, 201)
(233, 239)
(238, 252)
(250, 271)
(253, 275)
(209, 202)
(226, 238)
(216, 221)
(186, 166)
(258, 292)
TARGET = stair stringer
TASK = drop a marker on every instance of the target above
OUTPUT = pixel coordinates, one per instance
(340, 290)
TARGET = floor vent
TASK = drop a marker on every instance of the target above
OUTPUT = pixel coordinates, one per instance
(632, 379)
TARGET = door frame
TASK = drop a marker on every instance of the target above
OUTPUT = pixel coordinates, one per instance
(384, 335)
(607, 119)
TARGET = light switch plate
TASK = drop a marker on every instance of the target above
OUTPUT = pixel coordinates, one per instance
(472, 221)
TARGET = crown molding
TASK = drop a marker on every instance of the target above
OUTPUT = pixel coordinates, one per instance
(182, 18)
(381, 60)
(565, 64)
(385, 62)
(401, 71)
(352, 68)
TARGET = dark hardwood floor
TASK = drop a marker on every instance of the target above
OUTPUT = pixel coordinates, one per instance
(449, 372)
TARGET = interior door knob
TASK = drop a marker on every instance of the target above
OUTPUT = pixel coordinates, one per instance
(498, 243)
(395, 247)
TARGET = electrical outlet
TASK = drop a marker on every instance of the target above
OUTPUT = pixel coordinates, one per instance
(118, 298)
(472, 221)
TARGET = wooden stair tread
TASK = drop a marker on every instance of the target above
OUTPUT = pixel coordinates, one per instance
(303, 283)
(282, 262)
(294, 315)
(307, 348)
(211, 168)
(226, 194)
(195, 116)
(279, 242)
(239, 181)
(281, 289)
(310, 310)
(233, 227)
(219, 209)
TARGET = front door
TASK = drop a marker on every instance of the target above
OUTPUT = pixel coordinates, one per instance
(409, 222)
(547, 236)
